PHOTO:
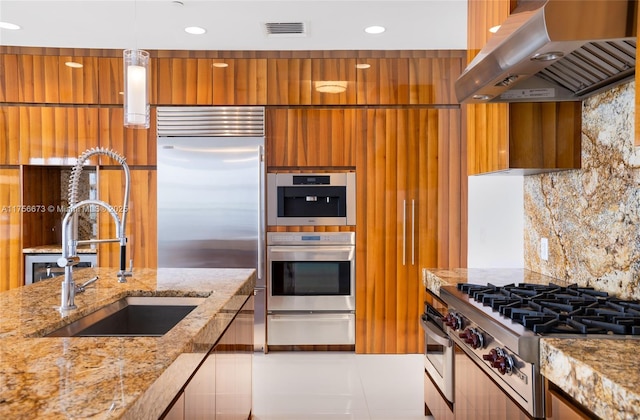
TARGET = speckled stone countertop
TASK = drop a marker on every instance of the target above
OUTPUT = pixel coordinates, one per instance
(57, 249)
(434, 278)
(601, 374)
(109, 377)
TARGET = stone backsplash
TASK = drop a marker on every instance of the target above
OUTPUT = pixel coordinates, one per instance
(591, 216)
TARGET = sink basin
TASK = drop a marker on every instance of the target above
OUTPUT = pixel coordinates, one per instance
(132, 316)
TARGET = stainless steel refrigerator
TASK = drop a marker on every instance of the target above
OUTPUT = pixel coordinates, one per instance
(211, 192)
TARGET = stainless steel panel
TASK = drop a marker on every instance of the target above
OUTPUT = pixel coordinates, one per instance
(260, 319)
(311, 329)
(209, 202)
(50, 260)
(212, 121)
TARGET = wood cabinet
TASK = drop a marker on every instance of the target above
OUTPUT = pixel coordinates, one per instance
(312, 138)
(142, 217)
(221, 388)
(139, 147)
(559, 406)
(540, 137)
(399, 166)
(434, 403)
(10, 223)
(477, 396)
(239, 81)
(523, 138)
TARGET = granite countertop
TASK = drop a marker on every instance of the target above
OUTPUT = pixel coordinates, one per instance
(109, 377)
(57, 249)
(601, 374)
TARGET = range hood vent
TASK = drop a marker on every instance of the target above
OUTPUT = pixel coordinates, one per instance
(554, 50)
(210, 121)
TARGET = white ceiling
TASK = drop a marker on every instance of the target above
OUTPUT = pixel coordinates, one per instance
(235, 25)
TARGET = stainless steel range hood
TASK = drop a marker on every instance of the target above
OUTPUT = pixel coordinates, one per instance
(554, 50)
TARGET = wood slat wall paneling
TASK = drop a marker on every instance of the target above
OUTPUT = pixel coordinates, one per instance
(9, 135)
(56, 135)
(183, 81)
(545, 135)
(385, 82)
(41, 189)
(110, 81)
(141, 219)
(137, 146)
(431, 80)
(8, 77)
(242, 82)
(451, 190)
(332, 69)
(78, 85)
(288, 81)
(308, 137)
(10, 228)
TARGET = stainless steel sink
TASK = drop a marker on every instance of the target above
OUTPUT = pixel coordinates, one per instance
(132, 316)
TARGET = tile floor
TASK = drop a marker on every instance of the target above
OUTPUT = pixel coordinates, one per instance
(337, 385)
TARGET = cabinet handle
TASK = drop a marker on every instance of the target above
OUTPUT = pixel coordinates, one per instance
(413, 232)
(404, 232)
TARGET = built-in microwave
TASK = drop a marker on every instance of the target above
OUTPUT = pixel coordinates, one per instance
(319, 199)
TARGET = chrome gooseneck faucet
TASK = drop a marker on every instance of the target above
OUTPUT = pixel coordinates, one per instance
(70, 242)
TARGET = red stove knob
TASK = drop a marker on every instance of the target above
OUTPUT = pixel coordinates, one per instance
(453, 321)
(472, 337)
(500, 360)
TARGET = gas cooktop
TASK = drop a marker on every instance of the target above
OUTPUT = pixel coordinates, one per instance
(553, 309)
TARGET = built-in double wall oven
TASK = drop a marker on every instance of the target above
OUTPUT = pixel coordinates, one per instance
(311, 288)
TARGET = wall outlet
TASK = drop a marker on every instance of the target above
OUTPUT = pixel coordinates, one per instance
(544, 249)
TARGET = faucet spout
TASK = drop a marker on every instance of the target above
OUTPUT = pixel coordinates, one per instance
(70, 241)
(69, 256)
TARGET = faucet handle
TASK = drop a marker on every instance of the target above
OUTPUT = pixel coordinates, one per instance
(68, 261)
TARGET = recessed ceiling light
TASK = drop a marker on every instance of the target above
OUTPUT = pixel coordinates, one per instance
(73, 65)
(363, 66)
(195, 30)
(220, 65)
(8, 25)
(494, 29)
(375, 29)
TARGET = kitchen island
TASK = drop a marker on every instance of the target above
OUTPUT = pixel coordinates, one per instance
(109, 377)
(599, 373)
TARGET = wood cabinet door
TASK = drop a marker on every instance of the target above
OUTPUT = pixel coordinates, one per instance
(56, 135)
(385, 81)
(9, 135)
(411, 215)
(78, 85)
(139, 147)
(110, 80)
(142, 217)
(432, 80)
(333, 81)
(387, 296)
(312, 138)
(183, 81)
(10, 219)
(289, 81)
(36, 78)
(239, 81)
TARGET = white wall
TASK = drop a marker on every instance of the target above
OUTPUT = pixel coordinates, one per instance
(496, 222)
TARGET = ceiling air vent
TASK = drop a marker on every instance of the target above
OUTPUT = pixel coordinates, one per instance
(285, 29)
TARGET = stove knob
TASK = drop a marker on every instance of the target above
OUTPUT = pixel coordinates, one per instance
(453, 321)
(491, 357)
(473, 337)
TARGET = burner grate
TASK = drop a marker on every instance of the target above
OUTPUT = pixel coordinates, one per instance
(548, 309)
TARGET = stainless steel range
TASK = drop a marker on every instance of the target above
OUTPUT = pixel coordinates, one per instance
(499, 327)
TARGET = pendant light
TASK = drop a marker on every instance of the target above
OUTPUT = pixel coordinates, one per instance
(136, 91)
(136, 85)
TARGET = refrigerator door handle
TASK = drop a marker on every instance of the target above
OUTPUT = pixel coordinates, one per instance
(261, 217)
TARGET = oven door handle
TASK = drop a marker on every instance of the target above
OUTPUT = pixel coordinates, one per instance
(434, 332)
